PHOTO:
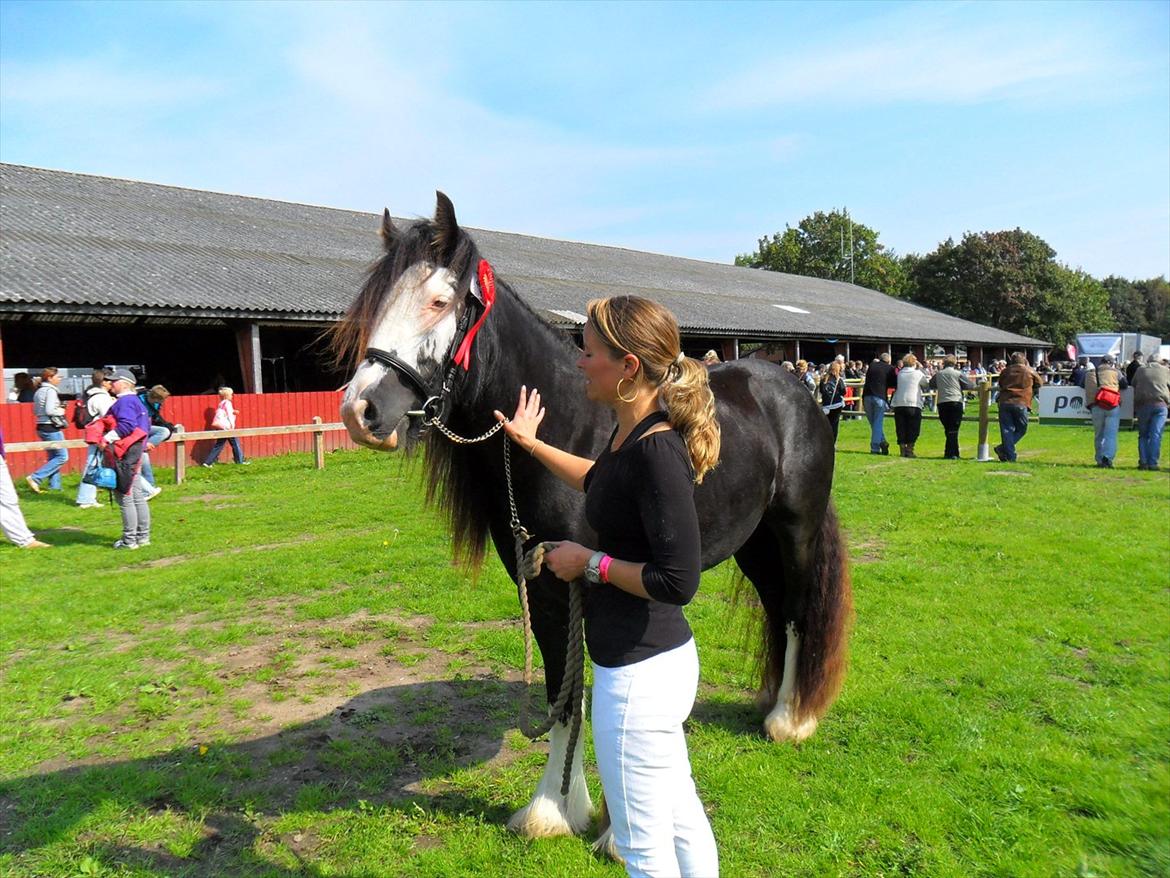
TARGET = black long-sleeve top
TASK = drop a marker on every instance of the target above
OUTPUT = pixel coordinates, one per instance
(641, 501)
(879, 380)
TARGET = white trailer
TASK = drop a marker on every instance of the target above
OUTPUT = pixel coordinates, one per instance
(1121, 345)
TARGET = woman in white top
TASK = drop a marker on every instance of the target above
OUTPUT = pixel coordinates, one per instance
(907, 403)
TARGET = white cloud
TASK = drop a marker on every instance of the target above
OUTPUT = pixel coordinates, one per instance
(929, 54)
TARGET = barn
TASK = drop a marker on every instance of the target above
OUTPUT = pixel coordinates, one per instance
(197, 289)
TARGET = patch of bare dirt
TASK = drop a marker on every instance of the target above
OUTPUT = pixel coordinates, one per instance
(204, 498)
(306, 688)
(234, 550)
(866, 551)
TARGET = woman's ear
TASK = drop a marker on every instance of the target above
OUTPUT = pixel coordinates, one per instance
(630, 366)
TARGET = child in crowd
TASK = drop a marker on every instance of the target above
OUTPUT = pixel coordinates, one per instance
(225, 419)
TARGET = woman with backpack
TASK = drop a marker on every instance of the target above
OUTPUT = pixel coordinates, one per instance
(91, 408)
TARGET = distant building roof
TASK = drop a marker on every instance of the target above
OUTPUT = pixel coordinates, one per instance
(72, 242)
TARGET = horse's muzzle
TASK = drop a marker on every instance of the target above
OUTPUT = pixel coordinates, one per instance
(362, 431)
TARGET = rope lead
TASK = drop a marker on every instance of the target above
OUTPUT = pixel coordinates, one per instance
(573, 679)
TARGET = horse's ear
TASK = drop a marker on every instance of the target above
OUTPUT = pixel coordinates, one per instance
(446, 228)
(388, 232)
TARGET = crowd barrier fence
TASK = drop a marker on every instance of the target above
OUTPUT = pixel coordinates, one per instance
(266, 415)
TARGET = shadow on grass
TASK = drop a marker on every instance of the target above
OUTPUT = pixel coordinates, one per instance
(736, 716)
(75, 536)
(392, 746)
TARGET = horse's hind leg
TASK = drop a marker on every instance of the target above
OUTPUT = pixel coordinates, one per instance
(549, 813)
(771, 562)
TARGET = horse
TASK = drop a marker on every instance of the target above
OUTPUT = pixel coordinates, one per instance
(409, 334)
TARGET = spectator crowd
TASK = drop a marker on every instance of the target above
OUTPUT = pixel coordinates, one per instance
(121, 423)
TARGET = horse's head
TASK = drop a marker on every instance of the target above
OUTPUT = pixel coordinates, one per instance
(407, 315)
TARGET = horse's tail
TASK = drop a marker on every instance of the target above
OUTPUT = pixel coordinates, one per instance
(824, 629)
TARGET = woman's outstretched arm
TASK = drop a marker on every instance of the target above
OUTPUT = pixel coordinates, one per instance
(569, 468)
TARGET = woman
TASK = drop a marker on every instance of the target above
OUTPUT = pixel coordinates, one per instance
(833, 396)
(160, 431)
(1106, 418)
(639, 498)
(907, 404)
(98, 399)
(49, 412)
(806, 377)
(949, 383)
(128, 426)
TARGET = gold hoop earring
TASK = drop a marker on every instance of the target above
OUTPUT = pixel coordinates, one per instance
(619, 391)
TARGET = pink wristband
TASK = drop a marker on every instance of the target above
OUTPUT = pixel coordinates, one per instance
(603, 568)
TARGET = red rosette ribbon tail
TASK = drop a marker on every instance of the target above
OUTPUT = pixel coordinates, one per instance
(487, 287)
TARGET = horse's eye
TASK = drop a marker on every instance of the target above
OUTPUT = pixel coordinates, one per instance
(440, 304)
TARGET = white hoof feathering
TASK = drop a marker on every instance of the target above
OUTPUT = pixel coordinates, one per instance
(782, 724)
(604, 846)
(549, 813)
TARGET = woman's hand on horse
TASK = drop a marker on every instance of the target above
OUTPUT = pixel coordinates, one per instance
(524, 424)
(568, 560)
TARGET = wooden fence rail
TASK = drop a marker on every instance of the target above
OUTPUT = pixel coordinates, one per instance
(180, 439)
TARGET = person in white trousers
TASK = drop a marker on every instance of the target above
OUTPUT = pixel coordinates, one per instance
(11, 518)
(639, 499)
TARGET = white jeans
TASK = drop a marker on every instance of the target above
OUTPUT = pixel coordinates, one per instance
(11, 518)
(659, 825)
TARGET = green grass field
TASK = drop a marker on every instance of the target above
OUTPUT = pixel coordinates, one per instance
(294, 680)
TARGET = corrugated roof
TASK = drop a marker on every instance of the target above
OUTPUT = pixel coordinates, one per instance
(81, 241)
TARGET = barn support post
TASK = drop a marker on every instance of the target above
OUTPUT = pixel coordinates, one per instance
(248, 345)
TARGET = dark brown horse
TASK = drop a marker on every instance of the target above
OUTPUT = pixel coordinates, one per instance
(767, 503)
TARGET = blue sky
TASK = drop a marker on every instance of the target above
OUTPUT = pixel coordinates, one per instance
(687, 129)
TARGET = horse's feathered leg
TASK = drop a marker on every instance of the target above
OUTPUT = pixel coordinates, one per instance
(604, 846)
(549, 813)
(762, 562)
(784, 721)
(798, 569)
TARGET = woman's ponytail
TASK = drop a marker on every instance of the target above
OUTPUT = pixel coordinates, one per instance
(690, 405)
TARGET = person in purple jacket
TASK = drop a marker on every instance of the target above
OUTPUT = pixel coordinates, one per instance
(129, 427)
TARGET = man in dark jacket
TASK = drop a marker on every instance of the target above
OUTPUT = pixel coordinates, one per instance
(875, 395)
(1132, 366)
(1078, 372)
(1017, 383)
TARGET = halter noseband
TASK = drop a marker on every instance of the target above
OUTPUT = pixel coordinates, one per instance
(411, 377)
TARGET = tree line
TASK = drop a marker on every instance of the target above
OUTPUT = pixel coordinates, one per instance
(1010, 280)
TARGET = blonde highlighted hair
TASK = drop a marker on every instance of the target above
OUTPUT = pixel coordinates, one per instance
(632, 325)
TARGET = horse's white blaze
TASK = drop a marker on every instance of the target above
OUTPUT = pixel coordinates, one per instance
(781, 723)
(416, 322)
(549, 813)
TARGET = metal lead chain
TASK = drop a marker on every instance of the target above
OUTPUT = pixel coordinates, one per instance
(461, 440)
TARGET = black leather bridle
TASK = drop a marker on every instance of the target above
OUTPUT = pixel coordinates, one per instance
(434, 405)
